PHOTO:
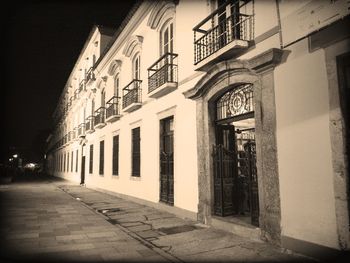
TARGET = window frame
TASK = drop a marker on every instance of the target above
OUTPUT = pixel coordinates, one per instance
(136, 152)
(115, 155)
(91, 159)
(101, 159)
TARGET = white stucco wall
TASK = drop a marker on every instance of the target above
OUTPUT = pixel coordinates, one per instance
(148, 119)
(304, 150)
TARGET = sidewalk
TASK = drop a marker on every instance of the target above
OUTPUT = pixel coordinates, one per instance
(60, 221)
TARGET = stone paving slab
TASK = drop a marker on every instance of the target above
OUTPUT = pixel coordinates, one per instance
(199, 243)
(59, 221)
(44, 224)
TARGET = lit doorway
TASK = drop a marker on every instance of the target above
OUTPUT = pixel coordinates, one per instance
(234, 156)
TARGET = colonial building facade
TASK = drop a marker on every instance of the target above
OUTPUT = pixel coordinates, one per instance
(233, 113)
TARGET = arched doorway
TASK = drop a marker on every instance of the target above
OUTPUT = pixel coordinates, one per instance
(220, 79)
(234, 155)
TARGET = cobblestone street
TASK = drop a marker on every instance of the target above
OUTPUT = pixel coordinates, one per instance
(54, 220)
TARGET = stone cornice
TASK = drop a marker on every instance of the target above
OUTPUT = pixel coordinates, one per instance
(118, 41)
(267, 60)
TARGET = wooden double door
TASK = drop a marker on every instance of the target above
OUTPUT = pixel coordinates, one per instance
(235, 176)
(167, 161)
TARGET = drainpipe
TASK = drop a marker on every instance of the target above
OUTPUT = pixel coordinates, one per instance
(279, 23)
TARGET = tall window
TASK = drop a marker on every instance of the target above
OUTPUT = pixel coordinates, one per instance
(136, 67)
(116, 85)
(103, 98)
(71, 165)
(102, 157)
(136, 152)
(92, 107)
(115, 159)
(166, 39)
(76, 161)
(68, 162)
(64, 162)
(91, 160)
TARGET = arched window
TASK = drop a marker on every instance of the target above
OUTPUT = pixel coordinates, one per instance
(136, 67)
(236, 102)
(116, 85)
(167, 38)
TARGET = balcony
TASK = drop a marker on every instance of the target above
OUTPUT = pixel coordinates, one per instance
(99, 118)
(89, 124)
(112, 109)
(162, 76)
(90, 76)
(81, 130)
(216, 41)
(132, 96)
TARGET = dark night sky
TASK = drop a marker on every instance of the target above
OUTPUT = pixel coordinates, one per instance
(42, 42)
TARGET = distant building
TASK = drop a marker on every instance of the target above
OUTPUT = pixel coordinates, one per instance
(234, 113)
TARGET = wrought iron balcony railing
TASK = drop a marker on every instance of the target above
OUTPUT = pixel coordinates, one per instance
(164, 70)
(112, 108)
(99, 117)
(81, 130)
(132, 93)
(90, 75)
(89, 124)
(215, 35)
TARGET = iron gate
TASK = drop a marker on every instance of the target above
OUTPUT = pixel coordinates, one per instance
(231, 192)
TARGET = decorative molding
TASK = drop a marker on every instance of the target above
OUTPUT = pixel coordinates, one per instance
(114, 67)
(267, 60)
(132, 43)
(160, 10)
(213, 73)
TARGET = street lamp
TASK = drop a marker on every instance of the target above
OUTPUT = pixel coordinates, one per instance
(15, 155)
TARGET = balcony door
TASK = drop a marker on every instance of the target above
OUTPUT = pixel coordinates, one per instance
(166, 39)
(92, 107)
(166, 46)
(167, 161)
(136, 67)
(116, 85)
(227, 22)
(103, 98)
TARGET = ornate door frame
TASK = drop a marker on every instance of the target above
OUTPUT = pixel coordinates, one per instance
(220, 78)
